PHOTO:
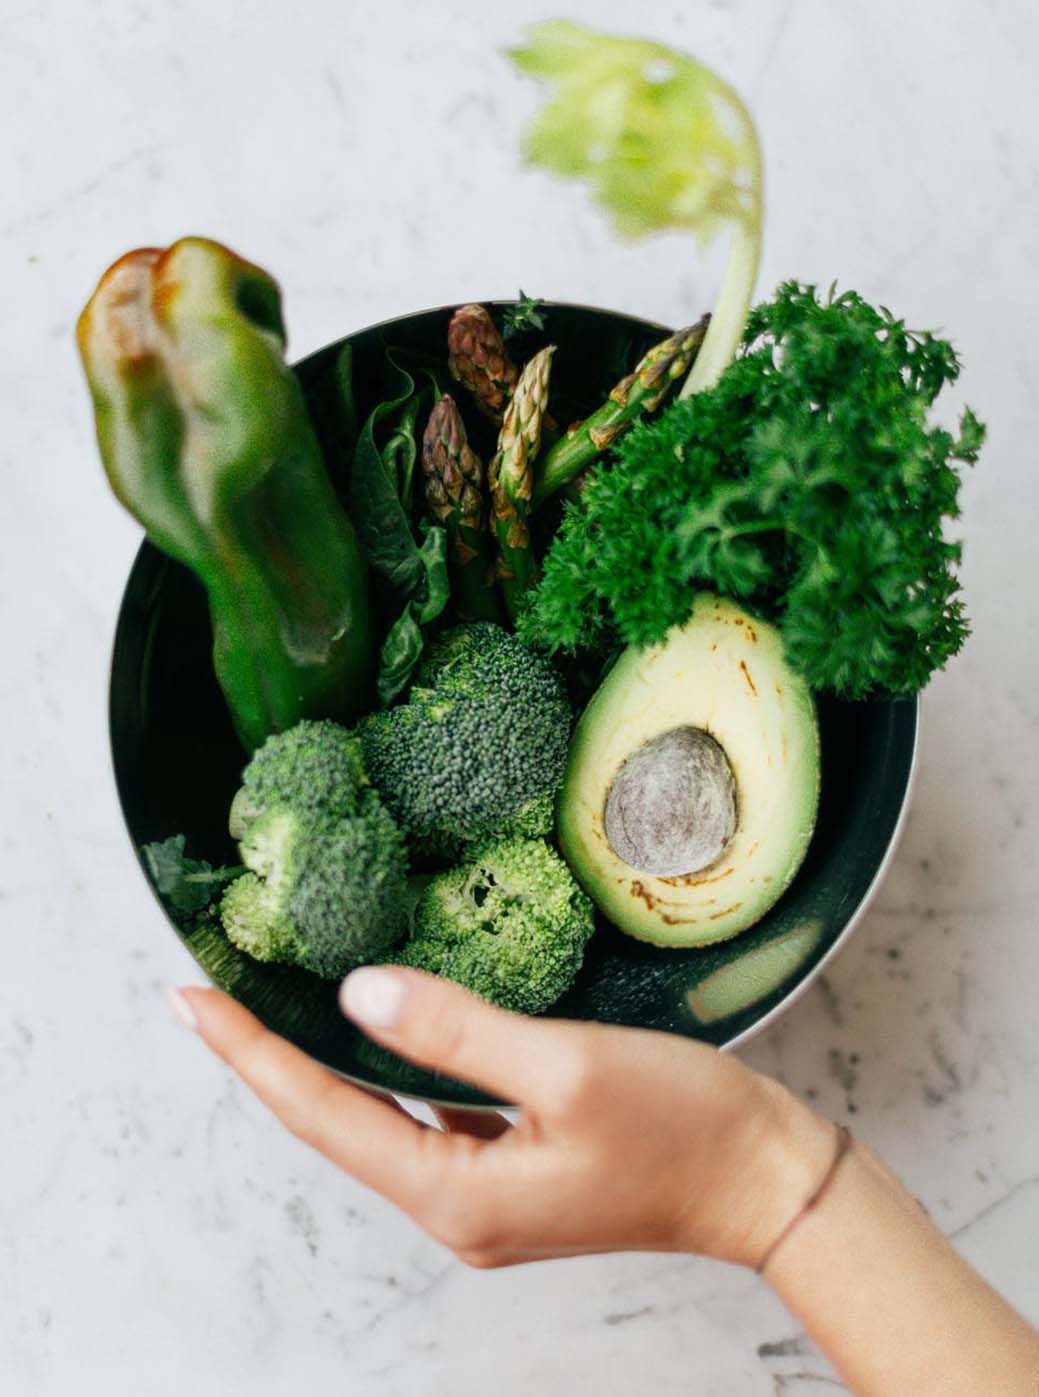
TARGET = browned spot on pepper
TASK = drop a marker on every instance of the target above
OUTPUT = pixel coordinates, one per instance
(779, 691)
(725, 911)
(746, 671)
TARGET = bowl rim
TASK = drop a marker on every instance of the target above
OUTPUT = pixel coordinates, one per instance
(452, 306)
(739, 1040)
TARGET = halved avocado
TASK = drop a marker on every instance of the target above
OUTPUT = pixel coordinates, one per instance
(692, 781)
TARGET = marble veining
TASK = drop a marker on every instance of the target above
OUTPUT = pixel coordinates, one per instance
(158, 1234)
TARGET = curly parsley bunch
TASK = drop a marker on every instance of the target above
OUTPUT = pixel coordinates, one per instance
(808, 483)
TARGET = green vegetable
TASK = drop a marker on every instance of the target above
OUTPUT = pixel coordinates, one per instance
(526, 314)
(510, 924)
(383, 520)
(401, 450)
(327, 886)
(317, 768)
(510, 478)
(205, 438)
(479, 747)
(808, 483)
(478, 359)
(692, 780)
(401, 650)
(454, 479)
(663, 143)
(637, 393)
(412, 576)
(185, 885)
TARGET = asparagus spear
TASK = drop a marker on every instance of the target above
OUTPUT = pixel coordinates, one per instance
(510, 477)
(641, 391)
(454, 492)
(478, 359)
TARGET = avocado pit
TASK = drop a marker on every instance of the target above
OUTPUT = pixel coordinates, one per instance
(671, 808)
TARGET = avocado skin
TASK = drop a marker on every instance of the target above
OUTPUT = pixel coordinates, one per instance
(724, 671)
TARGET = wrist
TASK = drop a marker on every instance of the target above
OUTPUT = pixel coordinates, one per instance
(780, 1156)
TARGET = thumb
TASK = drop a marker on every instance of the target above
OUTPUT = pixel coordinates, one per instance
(439, 1025)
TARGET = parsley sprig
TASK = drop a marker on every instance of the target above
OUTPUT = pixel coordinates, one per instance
(808, 483)
(526, 314)
(185, 885)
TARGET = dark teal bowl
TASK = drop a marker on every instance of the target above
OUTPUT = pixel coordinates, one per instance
(177, 764)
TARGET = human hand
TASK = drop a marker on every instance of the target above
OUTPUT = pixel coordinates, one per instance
(626, 1140)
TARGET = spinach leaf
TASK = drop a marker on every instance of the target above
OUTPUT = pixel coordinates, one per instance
(402, 648)
(401, 449)
(381, 497)
(379, 516)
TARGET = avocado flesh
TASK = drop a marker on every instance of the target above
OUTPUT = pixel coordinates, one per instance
(724, 674)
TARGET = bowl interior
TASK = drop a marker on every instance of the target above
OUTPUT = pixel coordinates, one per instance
(177, 764)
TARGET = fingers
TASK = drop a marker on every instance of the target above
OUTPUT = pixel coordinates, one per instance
(370, 1138)
(438, 1024)
(481, 1125)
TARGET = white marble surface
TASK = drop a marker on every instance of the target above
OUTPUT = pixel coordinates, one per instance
(158, 1233)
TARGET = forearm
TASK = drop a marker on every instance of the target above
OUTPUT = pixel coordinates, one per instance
(889, 1300)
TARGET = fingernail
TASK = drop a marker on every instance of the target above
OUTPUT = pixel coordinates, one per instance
(373, 996)
(183, 1010)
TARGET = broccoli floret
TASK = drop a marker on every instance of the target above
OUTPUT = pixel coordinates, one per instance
(327, 885)
(316, 767)
(510, 923)
(479, 748)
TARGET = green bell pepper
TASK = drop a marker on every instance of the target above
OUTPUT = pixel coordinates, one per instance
(205, 439)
